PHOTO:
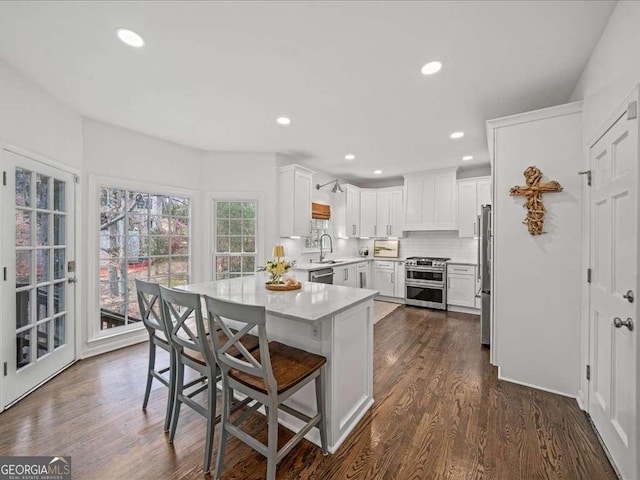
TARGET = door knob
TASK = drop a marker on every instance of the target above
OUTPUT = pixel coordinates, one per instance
(618, 323)
(629, 296)
(72, 280)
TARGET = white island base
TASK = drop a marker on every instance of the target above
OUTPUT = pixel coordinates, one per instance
(346, 340)
(329, 320)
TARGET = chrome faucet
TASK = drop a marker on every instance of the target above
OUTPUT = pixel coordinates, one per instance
(330, 245)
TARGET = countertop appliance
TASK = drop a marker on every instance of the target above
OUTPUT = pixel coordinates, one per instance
(484, 273)
(426, 282)
(324, 275)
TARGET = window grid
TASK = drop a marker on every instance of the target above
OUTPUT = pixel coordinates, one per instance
(234, 238)
(144, 236)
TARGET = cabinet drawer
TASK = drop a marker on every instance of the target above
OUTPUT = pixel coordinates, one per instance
(461, 269)
(384, 265)
(361, 266)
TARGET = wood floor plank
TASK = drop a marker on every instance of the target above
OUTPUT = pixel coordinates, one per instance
(440, 412)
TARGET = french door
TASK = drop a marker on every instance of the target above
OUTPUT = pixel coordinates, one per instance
(614, 292)
(38, 318)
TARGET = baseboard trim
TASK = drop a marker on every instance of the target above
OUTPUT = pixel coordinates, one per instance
(384, 298)
(456, 308)
(115, 343)
(537, 387)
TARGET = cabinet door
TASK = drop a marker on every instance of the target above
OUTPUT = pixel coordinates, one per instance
(413, 201)
(383, 281)
(383, 213)
(353, 213)
(445, 202)
(351, 279)
(396, 214)
(484, 192)
(339, 275)
(399, 280)
(467, 209)
(302, 203)
(461, 290)
(368, 214)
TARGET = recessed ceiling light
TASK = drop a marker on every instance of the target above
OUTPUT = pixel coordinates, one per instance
(283, 120)
(349, 156)
(377, 172)
(130, 37)
(431, 68)
(457, 135)
(467, 157)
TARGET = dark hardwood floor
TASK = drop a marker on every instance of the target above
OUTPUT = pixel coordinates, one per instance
(440, 413)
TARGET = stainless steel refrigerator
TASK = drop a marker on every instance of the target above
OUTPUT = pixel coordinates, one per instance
(484, 270)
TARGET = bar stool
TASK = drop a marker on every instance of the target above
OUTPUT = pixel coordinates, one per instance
(191, 345)
(269, 375)
(148, 300)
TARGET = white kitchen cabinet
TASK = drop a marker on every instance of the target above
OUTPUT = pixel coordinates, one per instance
(399, 280)
(345, 275)
(294, 199)
(346, 212)
(472, 194)
(461, 285)
(384, 277)
(368, 227)
(363, 275)
(431, 200)
(389, 212)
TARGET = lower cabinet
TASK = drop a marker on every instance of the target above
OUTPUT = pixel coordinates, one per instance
(345, 276)
(384, 274)
(461, 285)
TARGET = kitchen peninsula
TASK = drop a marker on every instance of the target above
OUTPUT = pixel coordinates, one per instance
(329, 320)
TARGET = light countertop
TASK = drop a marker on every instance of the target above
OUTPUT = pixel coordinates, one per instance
(312, 303)
(311, 266)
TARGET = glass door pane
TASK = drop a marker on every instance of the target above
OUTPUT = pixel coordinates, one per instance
(38, 339)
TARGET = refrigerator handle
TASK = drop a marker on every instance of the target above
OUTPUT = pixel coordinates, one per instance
(479, 247)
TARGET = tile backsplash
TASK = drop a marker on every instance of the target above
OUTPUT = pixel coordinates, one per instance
(434, 244)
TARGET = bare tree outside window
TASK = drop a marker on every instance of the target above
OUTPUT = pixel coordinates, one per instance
(144, 236)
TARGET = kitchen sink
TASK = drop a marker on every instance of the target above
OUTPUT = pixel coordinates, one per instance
(328, 261)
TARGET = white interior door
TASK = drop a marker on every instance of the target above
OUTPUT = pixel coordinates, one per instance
(38, 327)
(614, 263)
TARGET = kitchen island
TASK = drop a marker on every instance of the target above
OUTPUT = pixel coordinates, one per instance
(329, 320)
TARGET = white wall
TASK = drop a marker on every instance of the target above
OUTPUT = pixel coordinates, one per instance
(536, 284)
(247, 172)
(33, 120)
(613, 68)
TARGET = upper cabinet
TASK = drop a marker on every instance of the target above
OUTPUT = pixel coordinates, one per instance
(294, 200)
(346, 212)
(431, 200)
(368, 200)
(472, 194)
(389, 212)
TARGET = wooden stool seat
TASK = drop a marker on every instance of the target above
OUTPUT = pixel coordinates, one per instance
(290, 366)
(265, 377)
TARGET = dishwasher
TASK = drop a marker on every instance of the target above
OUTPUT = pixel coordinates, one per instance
(324, 275)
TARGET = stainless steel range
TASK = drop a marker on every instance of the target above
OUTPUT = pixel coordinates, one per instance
(426, 282)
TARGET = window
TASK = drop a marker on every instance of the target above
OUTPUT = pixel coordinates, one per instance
(318, 228)
(234, 238)
(142, 235)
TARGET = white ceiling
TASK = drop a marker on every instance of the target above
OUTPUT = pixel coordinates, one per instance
(215, 75)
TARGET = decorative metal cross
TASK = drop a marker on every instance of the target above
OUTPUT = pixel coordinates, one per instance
(533, 203)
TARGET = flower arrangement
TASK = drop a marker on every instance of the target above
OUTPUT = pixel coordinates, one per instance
(277, 269)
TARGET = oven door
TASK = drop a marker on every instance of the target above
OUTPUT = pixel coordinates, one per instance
(424, 274)
(422, 294)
